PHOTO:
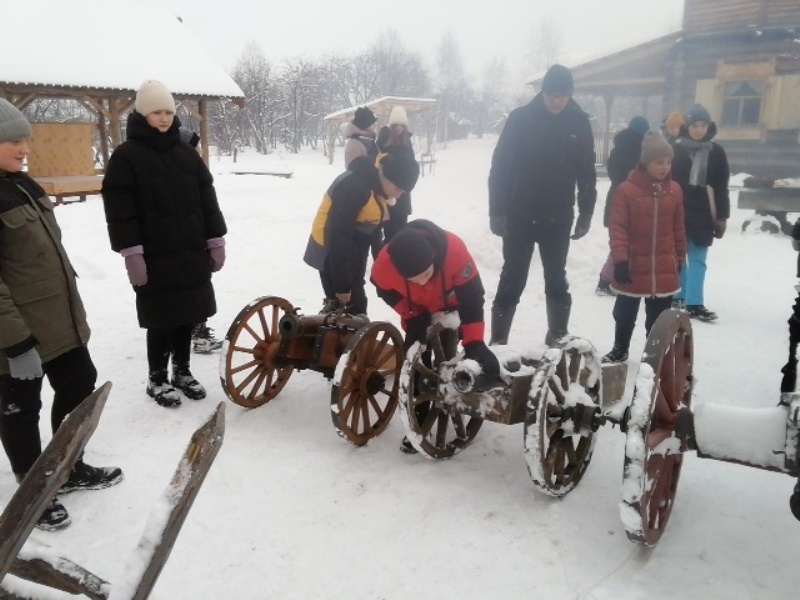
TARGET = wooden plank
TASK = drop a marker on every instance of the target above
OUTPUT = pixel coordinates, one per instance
(71, 185)
(158, 539)
(48, 473)
(774, 199)
(39, 564)
(615, 376)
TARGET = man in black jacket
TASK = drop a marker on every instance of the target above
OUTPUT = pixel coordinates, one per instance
(545, 149)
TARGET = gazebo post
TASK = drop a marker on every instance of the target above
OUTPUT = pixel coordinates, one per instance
(114, 124)
(609, 100)
(331, 141)
(202, 112)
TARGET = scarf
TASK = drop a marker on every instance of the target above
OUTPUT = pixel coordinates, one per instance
(698, 151)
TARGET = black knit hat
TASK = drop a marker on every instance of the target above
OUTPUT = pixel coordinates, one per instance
(410, 252)
(401, 170)
(558, 80)
(364, 117)
(698, 113)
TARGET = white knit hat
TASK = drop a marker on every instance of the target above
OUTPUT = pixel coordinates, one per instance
(398, 116)
(13, 124)
(152, 96)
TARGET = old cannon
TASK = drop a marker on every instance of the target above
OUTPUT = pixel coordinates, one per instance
(559, 395)
(269, 339)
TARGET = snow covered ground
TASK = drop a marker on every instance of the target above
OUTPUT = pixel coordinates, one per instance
(291, 511)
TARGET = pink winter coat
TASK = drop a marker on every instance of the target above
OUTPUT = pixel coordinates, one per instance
(647, 231)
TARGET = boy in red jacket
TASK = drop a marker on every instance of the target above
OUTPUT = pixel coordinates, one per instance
(425, 270)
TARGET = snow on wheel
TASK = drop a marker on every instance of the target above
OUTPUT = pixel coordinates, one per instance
(432, 427)
(653, 450)
(250, 368)
(563, 415)
(366, 383)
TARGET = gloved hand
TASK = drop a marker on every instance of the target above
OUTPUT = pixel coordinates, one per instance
(135, 264)
(719, 228)
(216, 253)
(582, 226)
(499, 225)
(417, 329)
(622, 272)
(480, 353)
(27, 365)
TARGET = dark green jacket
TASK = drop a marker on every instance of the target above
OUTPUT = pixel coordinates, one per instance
(39, 302)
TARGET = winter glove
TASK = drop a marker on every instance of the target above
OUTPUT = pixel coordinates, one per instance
(499, 225)
(417, 330)
(582, 226)
(135, 264)
(216, 253)
(719, 228)
(27, 365)
(622, 272)
(480, 353)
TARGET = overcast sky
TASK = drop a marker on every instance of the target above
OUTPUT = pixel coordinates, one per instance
(484, 30)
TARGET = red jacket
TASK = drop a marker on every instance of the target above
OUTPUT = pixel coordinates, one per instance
(455, 285)
(647, 231)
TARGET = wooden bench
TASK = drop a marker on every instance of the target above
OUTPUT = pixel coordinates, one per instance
(61, 160)
(68, 186)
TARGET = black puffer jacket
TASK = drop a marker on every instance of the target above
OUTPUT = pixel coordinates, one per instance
(539, 159)
(158, 193)
(697, 208)
(623, 159)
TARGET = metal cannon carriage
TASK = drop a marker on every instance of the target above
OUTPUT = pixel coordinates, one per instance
(559, 395)
(269, 339)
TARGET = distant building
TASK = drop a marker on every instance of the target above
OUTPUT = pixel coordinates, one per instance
(739, 58)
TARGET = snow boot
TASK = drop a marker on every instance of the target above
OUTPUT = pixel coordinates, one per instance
(678, 304)
(183, 379)
(557, 320)
(87, 477)
(160, 390)
(406, 447)
(604, 288)
(54, 516)
(502, 317)
(204, 341)
(622, 342)
(701, 313)
(794, 501)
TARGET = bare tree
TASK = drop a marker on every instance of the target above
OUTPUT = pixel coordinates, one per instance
(450, 73)
(546, 44)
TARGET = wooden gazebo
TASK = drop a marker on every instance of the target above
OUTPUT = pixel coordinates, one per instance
(382, 107)
(123, 46)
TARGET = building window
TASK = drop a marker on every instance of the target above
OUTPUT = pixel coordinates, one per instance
(742, 104)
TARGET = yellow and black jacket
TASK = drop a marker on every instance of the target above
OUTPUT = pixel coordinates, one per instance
(351, 213)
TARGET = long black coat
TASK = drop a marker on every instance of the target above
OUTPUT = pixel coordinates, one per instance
(622, 160)
(158, 193)
(539, 159)
(697, 208)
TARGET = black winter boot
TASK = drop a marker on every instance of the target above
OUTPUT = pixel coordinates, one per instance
(87, 477)
(622, 342)
(557, 320)
(160, 390)
(54, 516)
(794, 501)
(502, 317)
(183, 379)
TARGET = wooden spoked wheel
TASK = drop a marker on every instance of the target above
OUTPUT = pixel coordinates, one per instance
(653, 457)
(366, 383)
(433, 429)
(563, 416)
(250, 367)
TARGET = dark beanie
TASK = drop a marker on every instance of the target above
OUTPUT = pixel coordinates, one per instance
(401, 170)
(558, 80)
(698, 113)
(410, 251)
(639, 125)
(364, 117)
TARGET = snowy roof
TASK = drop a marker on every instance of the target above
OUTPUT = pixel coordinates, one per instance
(383, 104)
(94, 44)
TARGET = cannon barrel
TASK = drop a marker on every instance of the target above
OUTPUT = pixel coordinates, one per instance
(294, 325)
